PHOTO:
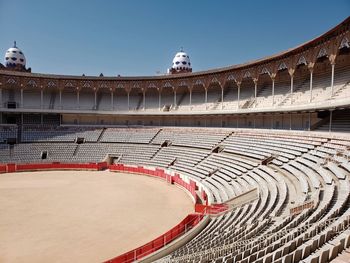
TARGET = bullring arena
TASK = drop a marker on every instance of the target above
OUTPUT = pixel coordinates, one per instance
(248, 163)
(79, 216)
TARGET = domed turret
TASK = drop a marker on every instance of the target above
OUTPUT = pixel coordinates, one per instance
(14, 58)
(181, 63)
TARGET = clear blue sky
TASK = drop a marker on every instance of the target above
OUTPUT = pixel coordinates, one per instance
(140, 37)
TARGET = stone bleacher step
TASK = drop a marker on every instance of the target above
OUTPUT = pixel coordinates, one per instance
(155, 136)
(101, 135)
(156, 153)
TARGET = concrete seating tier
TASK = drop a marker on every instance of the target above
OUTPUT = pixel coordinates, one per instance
(59, 133)
(128, 135)
(191, 137)
(7, 131)
(306, 169)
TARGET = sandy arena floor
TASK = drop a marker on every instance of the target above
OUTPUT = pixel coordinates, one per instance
(76, 216)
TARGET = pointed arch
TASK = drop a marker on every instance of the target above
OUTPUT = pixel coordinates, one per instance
(265, 70)
(51, 84)
(322, 52)
(302, 60)
(282, 66)
(87, 84)
(344, 43)
(68, 84)
(32, 83)
(247, 74)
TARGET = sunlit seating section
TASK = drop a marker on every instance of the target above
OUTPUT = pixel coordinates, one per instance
(121, 153)
(262, 145)
(191, 137)
(129, 135)
(177, 157)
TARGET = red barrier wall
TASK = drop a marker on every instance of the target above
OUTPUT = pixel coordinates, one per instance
(189, 222)
(10, 168)
(3, 169)
(190, 187)
(210, 209)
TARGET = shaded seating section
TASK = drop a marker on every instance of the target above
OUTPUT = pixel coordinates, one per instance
(45, 133)
(340, 122)
(31, 152)
(6, 132)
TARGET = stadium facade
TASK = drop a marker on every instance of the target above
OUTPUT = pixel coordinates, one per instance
(301, 88)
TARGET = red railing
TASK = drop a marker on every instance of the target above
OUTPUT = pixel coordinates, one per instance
(185, 225)
(213, 209)
(11, 167)
(190, 187)
(3, 168)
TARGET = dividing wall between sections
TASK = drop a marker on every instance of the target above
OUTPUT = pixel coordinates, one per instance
(12, 167)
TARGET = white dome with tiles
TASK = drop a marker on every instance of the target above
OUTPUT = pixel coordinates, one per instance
(14, 56)
(181, 62)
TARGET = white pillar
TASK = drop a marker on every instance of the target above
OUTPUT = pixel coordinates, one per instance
(128, 101)
(291, 88)
(206, 98)
(21, 98)
(222, 98)
(41, 98)
(144, 100)
(311, 71)
(78, 100)
(60, 99)
(159, 99)
(175, 98)
(238, 94)
(112, 100)
(255, 89)
(273, 91)
(95, 100)
(332, 79)
(190, 99)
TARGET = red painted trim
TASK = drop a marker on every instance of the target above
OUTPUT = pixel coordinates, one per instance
(11, 167)
(191, 187)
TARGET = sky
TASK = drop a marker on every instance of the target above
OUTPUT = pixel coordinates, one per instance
(141, 37)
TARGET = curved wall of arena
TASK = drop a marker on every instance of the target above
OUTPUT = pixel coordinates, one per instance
(304, 80)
